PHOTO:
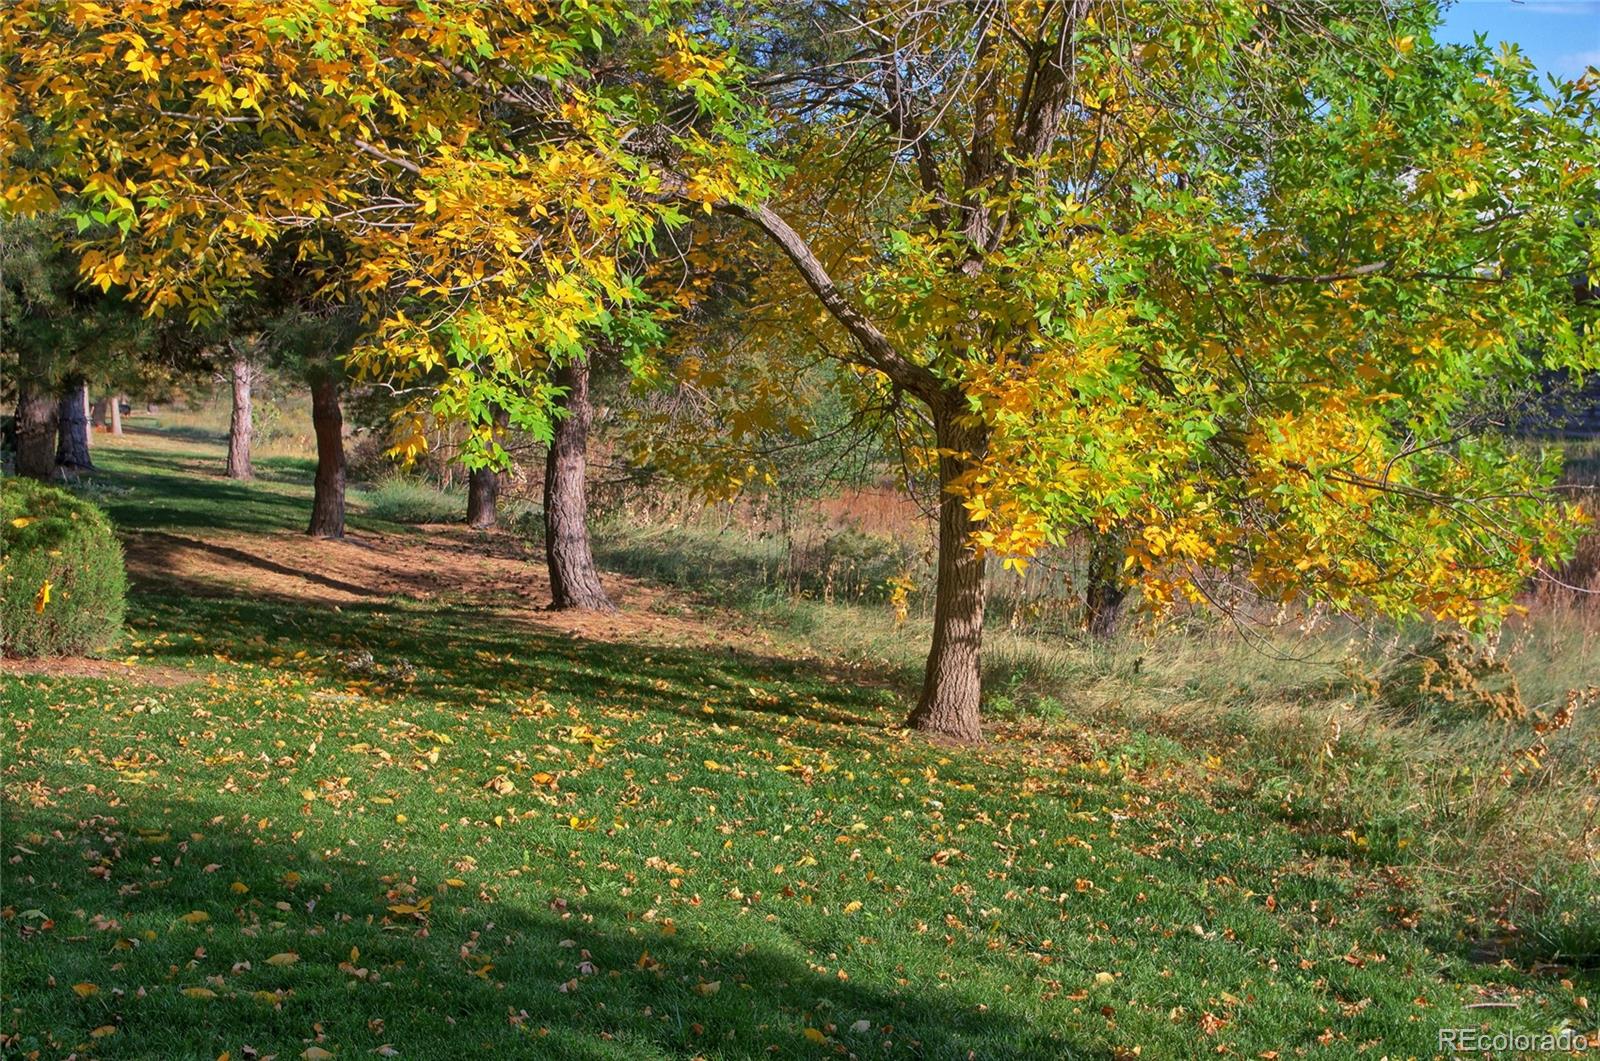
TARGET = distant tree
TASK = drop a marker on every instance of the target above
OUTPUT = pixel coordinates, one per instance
(56, 337)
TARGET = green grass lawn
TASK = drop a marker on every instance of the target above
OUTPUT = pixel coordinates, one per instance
(438, 828)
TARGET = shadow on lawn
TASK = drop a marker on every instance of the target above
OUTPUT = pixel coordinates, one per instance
(458, 649)
(631, 990)
(178, 490)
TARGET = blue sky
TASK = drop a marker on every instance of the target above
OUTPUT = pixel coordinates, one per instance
(1560, 36)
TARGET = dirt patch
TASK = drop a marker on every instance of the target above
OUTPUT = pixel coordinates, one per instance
(85, 667)
(437, 562)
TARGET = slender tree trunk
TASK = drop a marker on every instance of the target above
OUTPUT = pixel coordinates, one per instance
(241, 428)
(72, 427)
(574, 580)
(483, 489)
(116, 415)
(327, 504)
(100, 415)
(1104, 590)
(951, 686)
(36, 432)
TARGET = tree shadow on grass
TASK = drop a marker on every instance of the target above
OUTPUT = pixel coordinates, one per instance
(154, 905)
(162, 489)
(453, 652)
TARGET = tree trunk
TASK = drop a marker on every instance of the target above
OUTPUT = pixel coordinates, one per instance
(574, 580)
(36, 432)
(240, 427)
(327, 504)
(72, 427)
(1104, 590)
(116, 415)
(951, 685)
(483, 489)
(100, 415)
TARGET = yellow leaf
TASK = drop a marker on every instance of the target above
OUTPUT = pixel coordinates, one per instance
(815, 1036)
(455, 882)
(84, 990)
(195, 917)
(708, 987)
(199, 992)
(103, 1031)
(21, 521)
(286, 958)
(712, 764)
(316, 1053)
(355, 955)
(42, 598)
(238, 887)
(852, 906)
(1104, 978)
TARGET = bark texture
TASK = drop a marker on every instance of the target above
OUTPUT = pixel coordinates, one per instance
(483, 488)
(574, 579)
(72, 427)
(241, 428)
(952, 687)
(116, 414)
(327, 503)
(36, 432)
(483, 493)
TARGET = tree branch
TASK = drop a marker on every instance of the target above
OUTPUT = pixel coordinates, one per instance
(880, 352)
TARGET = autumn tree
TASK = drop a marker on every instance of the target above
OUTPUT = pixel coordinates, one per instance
(474, 178)
(1214, 280)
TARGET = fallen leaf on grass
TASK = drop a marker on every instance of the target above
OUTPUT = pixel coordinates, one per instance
(84, 990)
(286, 958)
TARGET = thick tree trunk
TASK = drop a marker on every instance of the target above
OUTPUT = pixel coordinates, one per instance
(1104, 590)
(241, 428)
(327, 503)
(36, 432)
(574, 579)
(116, 415)
(951, 685)
(72, 427)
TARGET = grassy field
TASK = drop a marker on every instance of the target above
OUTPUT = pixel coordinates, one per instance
(428, 824)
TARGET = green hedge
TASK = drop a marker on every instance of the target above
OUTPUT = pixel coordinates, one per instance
(49, 537)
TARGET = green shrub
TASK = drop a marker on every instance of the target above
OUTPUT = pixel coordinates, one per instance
(405, 499)
(61, 578)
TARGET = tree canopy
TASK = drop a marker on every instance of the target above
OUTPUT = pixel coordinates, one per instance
(1232, 281)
